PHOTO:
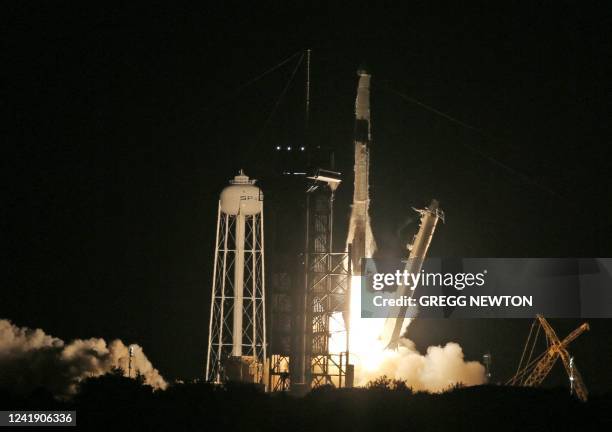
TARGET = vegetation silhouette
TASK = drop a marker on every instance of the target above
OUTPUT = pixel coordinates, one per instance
(115, 401)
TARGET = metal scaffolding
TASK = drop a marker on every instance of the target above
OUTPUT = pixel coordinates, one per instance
(281, 320)
(327, 280)
(327, 337)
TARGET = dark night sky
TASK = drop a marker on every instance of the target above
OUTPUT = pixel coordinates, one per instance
(125, 123)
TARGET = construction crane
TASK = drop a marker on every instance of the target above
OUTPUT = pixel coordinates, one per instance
(531, 373)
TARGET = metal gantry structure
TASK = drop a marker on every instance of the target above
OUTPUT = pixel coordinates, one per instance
(531, 373)
(327, 337)
(282, 319)
(327, 281)
(237, 328)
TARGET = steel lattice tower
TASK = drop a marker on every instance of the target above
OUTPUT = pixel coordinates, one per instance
(328, 276)
(237, 328)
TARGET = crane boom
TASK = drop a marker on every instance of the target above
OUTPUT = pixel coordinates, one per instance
(573, 335)
(545, 362)
(577, 383)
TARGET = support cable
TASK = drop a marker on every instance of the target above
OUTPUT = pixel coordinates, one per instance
(274, 108)
(524, 177)
(525, 348)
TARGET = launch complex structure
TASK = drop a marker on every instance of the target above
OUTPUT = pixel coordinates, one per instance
(309, 315)
(302, 340)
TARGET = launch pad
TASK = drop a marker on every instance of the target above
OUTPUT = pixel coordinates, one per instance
(306, 342)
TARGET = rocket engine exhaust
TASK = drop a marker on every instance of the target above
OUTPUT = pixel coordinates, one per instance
(376, 344)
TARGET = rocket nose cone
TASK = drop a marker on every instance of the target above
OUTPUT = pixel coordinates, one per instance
(362, 70)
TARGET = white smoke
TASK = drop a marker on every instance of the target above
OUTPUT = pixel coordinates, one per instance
(438, 370)
(30, 359)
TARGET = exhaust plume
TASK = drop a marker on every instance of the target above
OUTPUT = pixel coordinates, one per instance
(30, 358)
(438, 370)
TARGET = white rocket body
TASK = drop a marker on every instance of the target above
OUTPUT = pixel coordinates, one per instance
(360, 231)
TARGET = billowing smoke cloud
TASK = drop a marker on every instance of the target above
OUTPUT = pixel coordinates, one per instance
(438, 370)
(30, 359)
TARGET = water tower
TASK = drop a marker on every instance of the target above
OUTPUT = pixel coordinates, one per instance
(237, 329)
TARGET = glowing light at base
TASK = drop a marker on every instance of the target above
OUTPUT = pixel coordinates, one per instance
(437, 370)
(367, 351)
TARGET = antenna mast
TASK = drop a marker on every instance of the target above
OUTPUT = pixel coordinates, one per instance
(307, 88)
(131, 354)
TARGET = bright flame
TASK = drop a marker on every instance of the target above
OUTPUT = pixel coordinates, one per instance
(366, 347)
(337, 330)
(367, 351)
(437, 370)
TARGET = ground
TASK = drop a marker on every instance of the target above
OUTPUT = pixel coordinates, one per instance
(112, 401)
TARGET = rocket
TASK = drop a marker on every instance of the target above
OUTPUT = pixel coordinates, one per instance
(360, 231)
